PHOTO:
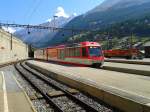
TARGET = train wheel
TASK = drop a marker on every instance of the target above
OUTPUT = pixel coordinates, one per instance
(128, 57)
(134, 57)
(96, 65)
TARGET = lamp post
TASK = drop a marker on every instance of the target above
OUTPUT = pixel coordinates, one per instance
(108, 41)
(54, 21)
(72, 31)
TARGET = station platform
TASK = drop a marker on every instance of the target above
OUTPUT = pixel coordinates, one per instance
(120, 60)
(128, 68)
(12, 96)
(127, 92)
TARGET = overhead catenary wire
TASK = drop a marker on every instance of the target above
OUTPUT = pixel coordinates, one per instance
(29, 9)
(34, 10)
(42, 27)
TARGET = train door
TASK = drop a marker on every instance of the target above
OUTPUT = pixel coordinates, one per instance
(84, 52)
(61, 54)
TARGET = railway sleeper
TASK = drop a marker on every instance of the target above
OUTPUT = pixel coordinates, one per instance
(33, 97)
(68, 94)
(55, 94)
(38, 95)
(72, 91)
(45, 96)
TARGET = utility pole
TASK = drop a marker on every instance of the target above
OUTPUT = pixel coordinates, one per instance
(72, 31)
(131, 44)
(108, 41)
(131, 41)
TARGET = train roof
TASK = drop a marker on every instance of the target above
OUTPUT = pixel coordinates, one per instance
(81, 44)
(87, 43)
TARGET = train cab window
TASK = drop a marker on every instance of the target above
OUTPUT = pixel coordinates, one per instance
(95, 51)
(84, 52)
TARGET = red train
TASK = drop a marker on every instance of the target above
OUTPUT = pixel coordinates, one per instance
(82, 54)
(128, 54)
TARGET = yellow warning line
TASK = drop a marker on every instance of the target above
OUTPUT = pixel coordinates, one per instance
(32, 107)
(5, 94)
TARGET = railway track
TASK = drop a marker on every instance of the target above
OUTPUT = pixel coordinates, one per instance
(58, 96)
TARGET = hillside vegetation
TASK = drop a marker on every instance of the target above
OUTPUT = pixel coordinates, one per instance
(138, 30)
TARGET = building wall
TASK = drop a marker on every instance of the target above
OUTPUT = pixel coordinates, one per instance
(11, 52)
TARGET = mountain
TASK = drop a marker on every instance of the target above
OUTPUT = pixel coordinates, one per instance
(40, 38)
(115, 4)
(105, 15)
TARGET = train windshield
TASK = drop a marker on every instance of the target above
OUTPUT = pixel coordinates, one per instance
(95, 51)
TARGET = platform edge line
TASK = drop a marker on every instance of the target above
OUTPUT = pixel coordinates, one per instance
(6, 109)
(27, 97)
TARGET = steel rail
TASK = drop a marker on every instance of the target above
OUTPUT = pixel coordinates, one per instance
(75, 99)
(47, 98)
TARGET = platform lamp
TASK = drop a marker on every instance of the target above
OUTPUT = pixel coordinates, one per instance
(131, 41)
(108, 46)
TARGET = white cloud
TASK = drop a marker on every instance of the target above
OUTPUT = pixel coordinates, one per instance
(9, 29)
(74, 14)
(49, 20)
(60, 12)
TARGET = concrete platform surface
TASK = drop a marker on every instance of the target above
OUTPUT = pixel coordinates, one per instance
(128, 68)
(12, 97)
(129, 86)
(145, 61)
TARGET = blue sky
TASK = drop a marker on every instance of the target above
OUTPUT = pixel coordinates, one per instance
(38, 11)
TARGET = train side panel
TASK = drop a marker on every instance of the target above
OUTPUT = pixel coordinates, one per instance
(86, 53)
(130, 53)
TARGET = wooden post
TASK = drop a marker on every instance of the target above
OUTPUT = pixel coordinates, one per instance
(47, 53)
(11, 39)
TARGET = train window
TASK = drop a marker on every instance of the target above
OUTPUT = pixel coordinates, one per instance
(95, 51)
(77, 51)
(84, 52)
(59, 55)
(62, 54)
(72, 52)
(67, 52)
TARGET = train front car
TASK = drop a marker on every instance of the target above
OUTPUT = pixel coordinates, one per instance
(94, 54)
(84, 53)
